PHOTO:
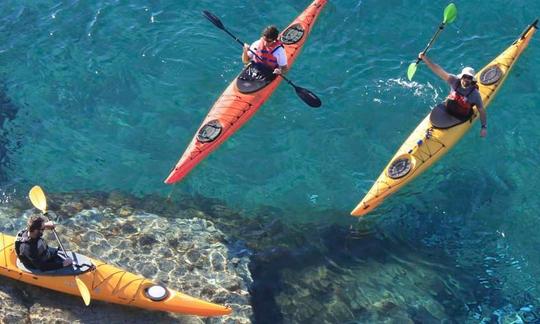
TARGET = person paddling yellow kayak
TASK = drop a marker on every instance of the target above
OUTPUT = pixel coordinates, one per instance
(439, 131)
(464, 94)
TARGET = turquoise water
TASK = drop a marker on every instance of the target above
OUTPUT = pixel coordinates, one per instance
(109, 94)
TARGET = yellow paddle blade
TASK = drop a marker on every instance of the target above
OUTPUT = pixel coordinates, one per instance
(85, 293)
(38, 199)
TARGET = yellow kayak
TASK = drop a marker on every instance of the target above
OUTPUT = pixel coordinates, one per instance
(429, 142)
(106, 283)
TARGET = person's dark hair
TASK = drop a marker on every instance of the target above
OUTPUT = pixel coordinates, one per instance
(36, 222)
(271, 32)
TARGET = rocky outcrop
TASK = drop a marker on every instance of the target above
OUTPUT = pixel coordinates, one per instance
(268, 269)
(187, 254)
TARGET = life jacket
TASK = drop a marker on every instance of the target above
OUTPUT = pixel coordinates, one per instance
(459, 104)
(23, 238)
(266, 53)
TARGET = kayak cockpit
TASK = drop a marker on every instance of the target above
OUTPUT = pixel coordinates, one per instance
(254, 77)
(441, 119)
(81, 264)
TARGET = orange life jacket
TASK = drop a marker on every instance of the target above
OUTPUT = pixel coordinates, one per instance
(266, 53)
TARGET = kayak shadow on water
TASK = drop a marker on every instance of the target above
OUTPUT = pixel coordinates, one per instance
(8, 112)
(375, 270)
(338, 273)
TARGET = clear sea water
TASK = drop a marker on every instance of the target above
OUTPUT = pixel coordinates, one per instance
(109, 93)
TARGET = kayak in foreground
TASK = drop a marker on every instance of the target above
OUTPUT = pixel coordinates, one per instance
(438, 132)
(106, 283)
(243, 97)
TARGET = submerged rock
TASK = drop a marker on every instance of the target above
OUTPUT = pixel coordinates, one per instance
(298, 273)
(11, 304)
(199, 264)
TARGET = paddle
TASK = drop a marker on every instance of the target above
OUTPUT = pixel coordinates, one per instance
(307, 96)
(450, 13)
(38, 199)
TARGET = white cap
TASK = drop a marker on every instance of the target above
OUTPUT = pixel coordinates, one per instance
(467, 71)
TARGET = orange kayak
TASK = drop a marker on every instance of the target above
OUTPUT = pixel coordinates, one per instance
(242, 99)
(105, 282)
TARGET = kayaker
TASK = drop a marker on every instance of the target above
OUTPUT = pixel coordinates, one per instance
(270, 51)
(32, 249)
(463, 95)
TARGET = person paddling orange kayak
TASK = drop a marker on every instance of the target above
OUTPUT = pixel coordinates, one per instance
(267, 51)
(32, 250)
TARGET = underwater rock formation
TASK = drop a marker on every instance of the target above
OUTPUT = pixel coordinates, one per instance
(268, 269)
(187, 254)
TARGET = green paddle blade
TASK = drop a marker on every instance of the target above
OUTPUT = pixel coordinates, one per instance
(411, 71)
(450, 13)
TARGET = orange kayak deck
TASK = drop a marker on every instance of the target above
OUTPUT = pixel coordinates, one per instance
(108, 283)
(234, 108)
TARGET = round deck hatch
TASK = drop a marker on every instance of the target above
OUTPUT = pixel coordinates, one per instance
(292, 35)
(210, 131)
(491, 75)
(400, 167)
(156, 292)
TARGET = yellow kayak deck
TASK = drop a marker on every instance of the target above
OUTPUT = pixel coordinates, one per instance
(427, 144)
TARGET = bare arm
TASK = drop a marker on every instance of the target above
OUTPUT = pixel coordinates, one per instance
(281, 58)
(483, 120)
(245, 56)
(483, 116)
(434, 67)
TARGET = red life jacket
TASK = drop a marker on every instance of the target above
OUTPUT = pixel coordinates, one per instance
(458, 104)
(266, 53)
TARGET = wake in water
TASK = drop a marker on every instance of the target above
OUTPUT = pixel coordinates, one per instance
(425, 91)
(420, 89)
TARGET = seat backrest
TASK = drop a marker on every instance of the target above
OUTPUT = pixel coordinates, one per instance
(439, 118)
(81, 264)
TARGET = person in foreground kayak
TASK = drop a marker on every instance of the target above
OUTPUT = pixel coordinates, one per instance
(33, 251)
(463, 95)
(270, 52)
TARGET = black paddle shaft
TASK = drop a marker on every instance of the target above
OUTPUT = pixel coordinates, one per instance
(441, 27)
(309, 97)
(217, 22)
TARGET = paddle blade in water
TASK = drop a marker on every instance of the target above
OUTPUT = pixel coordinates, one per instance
(38, 199)
(308, 97)
(450, 14)
(83, 289)
(213, 18)
(411, 71)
